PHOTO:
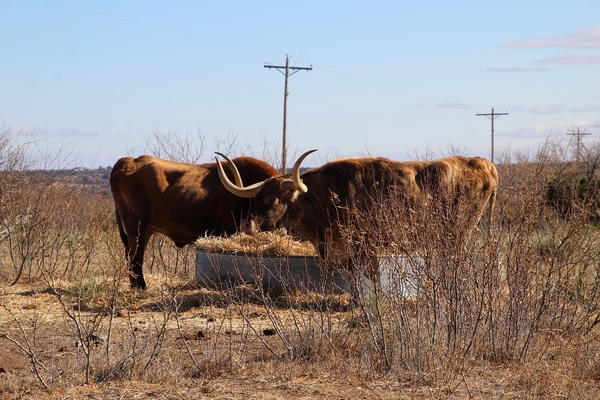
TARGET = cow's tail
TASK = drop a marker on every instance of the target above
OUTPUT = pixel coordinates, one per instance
(492, 207)
(121, 229)
(493, 196)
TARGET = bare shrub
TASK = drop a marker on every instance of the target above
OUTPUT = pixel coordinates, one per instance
(190, 147)
(513, 304)
(504, 293)
(176, 147)
(51, 226)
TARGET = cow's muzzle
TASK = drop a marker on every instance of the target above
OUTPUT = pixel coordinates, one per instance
(250, 227)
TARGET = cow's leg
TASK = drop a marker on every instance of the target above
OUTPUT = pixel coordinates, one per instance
(353, 269)
(371, 266)
(363, 265)
(135, 255)
(355, 290)
(136, 276)
(335, 255)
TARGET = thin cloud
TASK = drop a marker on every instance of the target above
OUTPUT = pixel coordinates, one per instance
(73, 132)
(517, 69)
(559, 109)
(571, 59)
(21, 129)
(536, 131)
(584, 39)
(547, 109)
(544, 130)
(585, 109)
(458, 106)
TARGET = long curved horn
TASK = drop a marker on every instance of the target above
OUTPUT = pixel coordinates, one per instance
(298, 184)
(247, 192)
(236, 174)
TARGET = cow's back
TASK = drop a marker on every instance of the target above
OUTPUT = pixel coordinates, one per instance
(181, 200)
(345, 187)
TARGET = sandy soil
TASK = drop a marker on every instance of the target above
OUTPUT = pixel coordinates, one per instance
(210, 349)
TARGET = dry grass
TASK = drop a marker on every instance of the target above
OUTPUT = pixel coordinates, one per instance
(509, 313)
(240, 354)
(263, 243)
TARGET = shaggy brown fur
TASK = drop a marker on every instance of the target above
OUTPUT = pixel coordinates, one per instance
(343, 193)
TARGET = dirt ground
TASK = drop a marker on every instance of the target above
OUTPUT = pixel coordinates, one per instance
(210, 349)
(33, 314)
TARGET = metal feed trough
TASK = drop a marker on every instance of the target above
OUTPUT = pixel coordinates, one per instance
(271, 272)
(222, 268)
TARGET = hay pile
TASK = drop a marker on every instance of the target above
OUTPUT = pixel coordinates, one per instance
(263, 243)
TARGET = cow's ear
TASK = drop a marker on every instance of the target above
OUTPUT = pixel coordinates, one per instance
(294, 196)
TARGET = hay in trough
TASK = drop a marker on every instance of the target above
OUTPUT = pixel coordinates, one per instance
(263, 243)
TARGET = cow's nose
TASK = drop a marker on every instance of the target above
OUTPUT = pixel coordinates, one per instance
(249, 227)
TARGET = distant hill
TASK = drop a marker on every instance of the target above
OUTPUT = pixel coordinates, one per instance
(94, 181)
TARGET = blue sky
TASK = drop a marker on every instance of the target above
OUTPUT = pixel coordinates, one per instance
(390, 78)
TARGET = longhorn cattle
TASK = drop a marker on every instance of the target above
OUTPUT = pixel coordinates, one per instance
(325, 202)
(181, 201)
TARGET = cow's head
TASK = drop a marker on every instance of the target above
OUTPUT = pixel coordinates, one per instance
(271, 197)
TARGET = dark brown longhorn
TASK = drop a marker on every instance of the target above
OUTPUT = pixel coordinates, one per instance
(181, 201)
(325, 201)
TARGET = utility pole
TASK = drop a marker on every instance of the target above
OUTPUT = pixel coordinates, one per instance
(285, 70)
(578, 135)
(492, 116)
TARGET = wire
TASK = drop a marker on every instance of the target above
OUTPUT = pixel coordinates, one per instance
(164, 30)
(127, 34)
(252, 51)
(158, 71)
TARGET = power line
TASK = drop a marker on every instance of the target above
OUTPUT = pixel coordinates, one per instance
(287, 74)
(159, 29)
(492, 116)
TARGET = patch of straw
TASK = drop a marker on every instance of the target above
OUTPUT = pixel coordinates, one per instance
(263, 243)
